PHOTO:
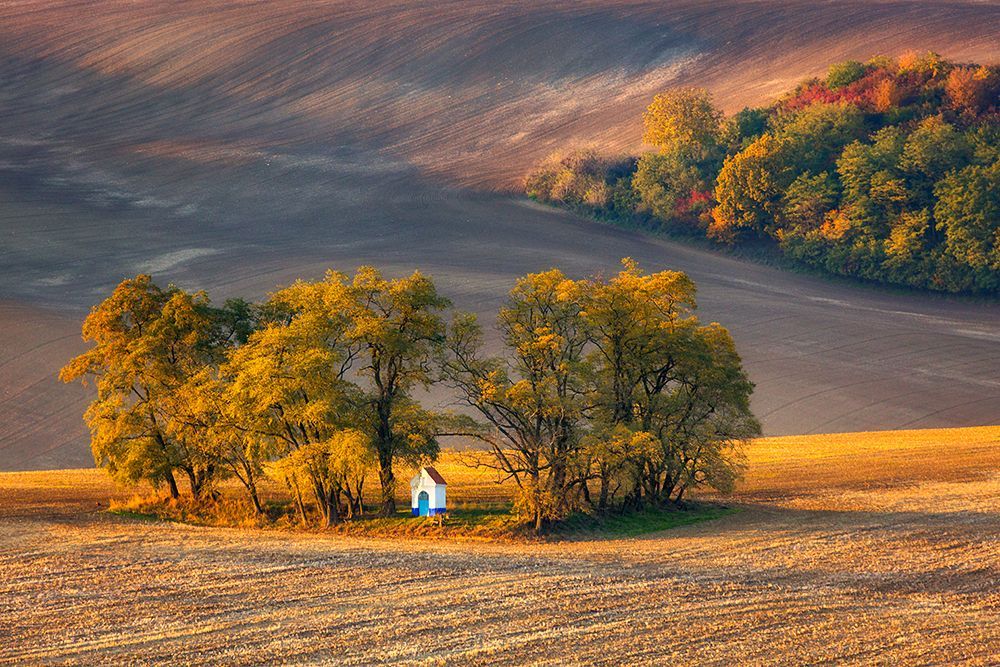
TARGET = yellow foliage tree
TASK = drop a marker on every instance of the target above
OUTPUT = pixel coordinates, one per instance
(529, 399)
(147, 343)
(682, 120)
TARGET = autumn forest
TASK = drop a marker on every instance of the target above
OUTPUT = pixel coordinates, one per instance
(886, 170)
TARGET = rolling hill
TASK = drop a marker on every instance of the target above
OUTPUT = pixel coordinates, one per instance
(236, 146)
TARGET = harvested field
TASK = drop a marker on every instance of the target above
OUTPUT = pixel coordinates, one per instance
(236, 147)
(870, 548)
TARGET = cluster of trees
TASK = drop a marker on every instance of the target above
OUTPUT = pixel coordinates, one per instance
(313, 387)
(887, 170)
(608, 393)
(611, 392)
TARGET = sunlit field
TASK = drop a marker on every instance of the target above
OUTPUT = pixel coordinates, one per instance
(871, 548)
(238, 148)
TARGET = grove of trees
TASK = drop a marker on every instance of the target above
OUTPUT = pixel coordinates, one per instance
(885, 170)
(607, 393)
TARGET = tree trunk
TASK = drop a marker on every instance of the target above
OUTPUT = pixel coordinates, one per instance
(324, 509)
(301, 505)
(387, 479)
(349, 505)
(172, 485)
(194, 482)
(602, 502)
(359, 498)
(332, 508)
(586, 492)
(254, 498)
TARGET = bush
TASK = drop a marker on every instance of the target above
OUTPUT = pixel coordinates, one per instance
(845, 73)
(584, 180)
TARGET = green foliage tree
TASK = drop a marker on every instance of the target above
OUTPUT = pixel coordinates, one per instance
(669, 400)
(842, 173)
(968, 212)
(808, 200)
(844, 74)
(663, 181)
(607, 380)
(817, 134)
(934, 148)
(743, 128)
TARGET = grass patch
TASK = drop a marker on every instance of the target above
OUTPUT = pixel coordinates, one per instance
(138, 516)
(490, 521)
(631, 524)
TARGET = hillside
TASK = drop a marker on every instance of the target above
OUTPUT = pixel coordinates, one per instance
(860, 548)
(237, 147)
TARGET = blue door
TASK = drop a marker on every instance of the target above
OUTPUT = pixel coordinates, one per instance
(424, 504)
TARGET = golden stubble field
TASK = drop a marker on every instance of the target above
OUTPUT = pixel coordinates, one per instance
(865, 548)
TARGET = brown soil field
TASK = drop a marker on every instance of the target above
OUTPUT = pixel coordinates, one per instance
(861, 548)
(237, 146)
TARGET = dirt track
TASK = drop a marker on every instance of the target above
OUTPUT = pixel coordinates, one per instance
(237, 147)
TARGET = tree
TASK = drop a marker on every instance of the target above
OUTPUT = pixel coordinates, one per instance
(612, 381)
(336, 466)
(934, 148)
(668, 399)
(147, 343)
(966, 88)
(907, 242)
(968, 212)
(808, 200)
(664, 183)
(875, 189)
(742, 128)
(859, 162)
(928, 63)
(749, 190)
(577, 179)
(396, 328)
(529, 399)
(703, 417)
(683, 120)
(218, 418)
(287, 389)
(816, 135)
(631, 322)
(618, 459)
(582, 179)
